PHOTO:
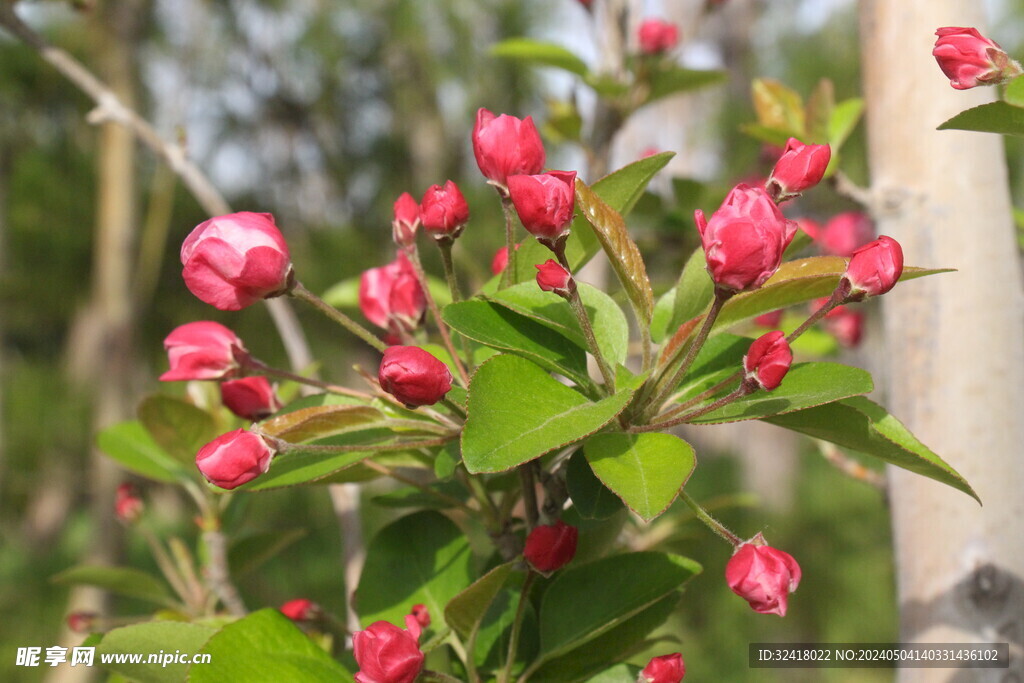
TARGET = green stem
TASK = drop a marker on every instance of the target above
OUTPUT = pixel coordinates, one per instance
(427, 676)
(584, 320)
(517, 627)
(508, 277)
(264, 369)
(741, 391)
(837, 299)
(390, 472)
(435, 312)
(528, 484)
(712, 523)
(445, 245)
(300, 292)
(701, 397)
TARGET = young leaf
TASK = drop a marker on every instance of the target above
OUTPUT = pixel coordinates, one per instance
(542, 53)
(844, 119)
(133, 583)
(153, 637)
(671, 79)
(319, 422)
(179, 427)
(132, 446)
(995, 117)
(1013, 93)
(697, 290)
(465, 611)
(820, 105)
(591, 498)
(778, 107)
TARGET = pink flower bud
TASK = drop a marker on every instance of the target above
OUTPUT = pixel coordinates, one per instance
(234, 458)
(844, 233)
(504, 146)
(552, 277)
(768, 360)
(202, 350)
(545, 202)
(422, 615)
(657, 36)
(413, 376)
(551, 546)
(809, 227)
(763, 576)
(770, 320)
(391, 296)
(663, 669)
(388, 654)
(233, 261)
(745, 238)
(406, 220)
(875, 268)
(251, 398)
(845, 325)
(969, 59)
(444, 211)
(128, 506)
(500, 261)
(82, 622)
(301, 609)
(800, 167)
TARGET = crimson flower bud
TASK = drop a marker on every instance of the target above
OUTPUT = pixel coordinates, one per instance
(234, 458)
(844, 233)
(391, 296)
(202, 350)
(422, 615)
(875, 268)
(301, 609)
(128, 506)
(406, 220)
(444, 211)
(767, 361)
(500, 261)
(763, 576)
(545, 202)
(251, 398)
(745, 239)
(800, 167)
(413, 376)
(770, 320)
(82, 622)
(235, 260)
(663, 669)
(552, 277)
(551, 546)
(505, 146)
(970, 59)
(657, 36)
(388, 654)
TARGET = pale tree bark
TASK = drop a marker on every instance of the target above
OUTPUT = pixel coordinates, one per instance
(954, 342)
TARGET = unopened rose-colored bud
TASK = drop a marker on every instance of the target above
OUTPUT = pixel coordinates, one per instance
(444, 211)
(504, 146)
(391, 296)
(875, 268)
(544, 202)
(745, 239)
(251, 398)
(768, 360)
(421, 614)
(551, 546)
(235, 260)
(82, 622)
(500, 261)
(388, 654)
(846, 232)
(970, 59)
(128, 506)
(763, 576)
(552, 277)
(406, 220)
(770, 320)
(301, 609)
(800, 167)
(657, 36)
(234, 458)
(845, 325)
(414, 376)
(663, 669)
(202, 350)
(809, 227)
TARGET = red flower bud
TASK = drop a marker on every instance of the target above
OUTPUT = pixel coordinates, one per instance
(128, 506)
(202, 350)
(500, 261)
(745, 238)
(770, 320)
(551, 546)
(251, 398)
(810, 228)
(552, 277)
(844, 233)
(391, 296)
(657, 36)
(663, 669)
(301, 609)
(545, 202)
(413, 376)
(845, 325)
(234, 458)
(504, 146)
(875, 268)
(82, 622)
(970, 59)
(388, 654)
(421, 614)
(768, 360)
(763, 576)
(800, 167)
(444, 211)
(233, 261)
(406, 220)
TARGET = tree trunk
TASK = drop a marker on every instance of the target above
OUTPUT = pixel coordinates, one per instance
(954, 342)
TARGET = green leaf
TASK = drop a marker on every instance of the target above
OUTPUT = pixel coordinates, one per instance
(422, 558)
(609, 322)
(539, 52)
(672, 79)
(414, 497)
(570, 616)
(698, 288)
(772, 136)
(517, 412)
(622, 251)
(1014, 92)
(844, 119)
(646, 470)
(995, 117)
(130, 444)
(133, 583)
(319, 422)
(778, 107)
(620, 673)
(177, 426)
(251, 552)
(591, 498)
(500, 328)
(266, 646)
(820, 105)
(464, 612)
(865, 426)
(152, 638)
